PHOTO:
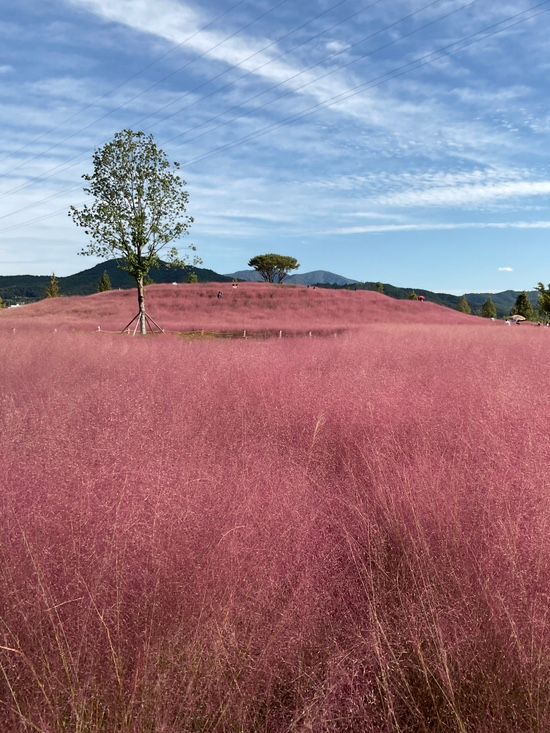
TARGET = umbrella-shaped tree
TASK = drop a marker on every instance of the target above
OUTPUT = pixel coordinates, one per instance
(273, 267)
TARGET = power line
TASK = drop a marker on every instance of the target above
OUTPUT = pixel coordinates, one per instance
(321, 76)
(461, 44)
(399, 71)
(136, 96)
(43, 217)
(266, 63)
(71, 162)
(122, 83)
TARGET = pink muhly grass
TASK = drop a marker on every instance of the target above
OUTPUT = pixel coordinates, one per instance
(251, 306)
(290, 535)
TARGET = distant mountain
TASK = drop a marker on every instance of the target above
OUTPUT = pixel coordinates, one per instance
(249, 276)
(33, 287)
(317, 277)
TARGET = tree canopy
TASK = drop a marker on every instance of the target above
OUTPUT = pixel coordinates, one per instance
(53, 290)
(138, 208)
(489, 309)
(273, 267)
(544, 299)
(523, 307)
(105, 283)
(464, 306)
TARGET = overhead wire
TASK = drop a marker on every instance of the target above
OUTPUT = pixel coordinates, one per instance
(334, 70)
(399, 71)
(71, 162)
(263, 65)
(93, 122)
(123, 83)
(461, 44)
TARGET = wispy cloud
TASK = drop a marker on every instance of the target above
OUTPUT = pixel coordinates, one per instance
(506, 269)
(336, 46)
(436, 226)
(457, 196)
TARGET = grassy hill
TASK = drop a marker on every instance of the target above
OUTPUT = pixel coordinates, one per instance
(503, 301)
(28, 288)
(256, 307)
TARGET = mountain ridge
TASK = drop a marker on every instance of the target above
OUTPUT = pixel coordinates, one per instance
(316, 277)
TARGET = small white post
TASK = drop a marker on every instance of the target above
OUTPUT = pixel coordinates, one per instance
(99, 328)
(280, 334)
(244, 334)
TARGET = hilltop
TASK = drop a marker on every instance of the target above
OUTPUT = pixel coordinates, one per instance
(251, 306)
(29, 288)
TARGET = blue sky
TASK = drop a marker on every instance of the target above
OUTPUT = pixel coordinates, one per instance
(335, 131)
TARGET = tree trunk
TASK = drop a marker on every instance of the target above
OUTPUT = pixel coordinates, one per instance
(141, 304)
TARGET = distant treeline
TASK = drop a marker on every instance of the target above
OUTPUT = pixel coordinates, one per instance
(504, 301)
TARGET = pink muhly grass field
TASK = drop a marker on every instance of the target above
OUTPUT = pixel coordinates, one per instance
(251, 306)
(324, 535)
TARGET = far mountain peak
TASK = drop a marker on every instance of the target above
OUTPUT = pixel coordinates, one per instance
(317, 277)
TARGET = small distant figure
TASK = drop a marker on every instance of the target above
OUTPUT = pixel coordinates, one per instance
(234, 284)
(421, 298)
(220, 295)
(508, 323)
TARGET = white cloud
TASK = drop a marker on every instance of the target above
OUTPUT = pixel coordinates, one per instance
(456, 196)
(6, 68)
(336, 46)
(436, 226)
(412, 124)
(506, 269)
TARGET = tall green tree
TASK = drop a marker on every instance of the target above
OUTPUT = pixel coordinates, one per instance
(523, 307)
(53, 290)
(489, 309)
(273, 267)
(544, 300)
(413, 295)
(138, 208)
(464, 306)
(105, 283)
(379, 287)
